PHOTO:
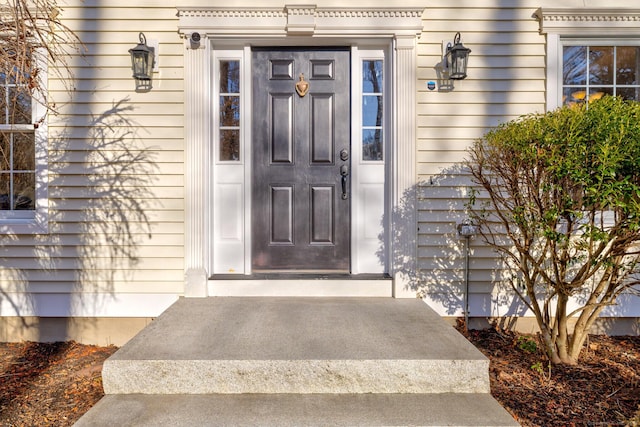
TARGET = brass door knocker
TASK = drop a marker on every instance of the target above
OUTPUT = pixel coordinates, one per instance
(302, 87)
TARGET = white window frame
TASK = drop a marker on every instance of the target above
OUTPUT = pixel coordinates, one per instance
(587, 26)
(34, 221)
(616, 42)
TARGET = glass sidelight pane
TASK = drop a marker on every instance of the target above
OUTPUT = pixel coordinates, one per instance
(230, 145)
(372, 76)
(229, 111)
(372, 144)
(229, 76)
(372, 110)
(229, 115)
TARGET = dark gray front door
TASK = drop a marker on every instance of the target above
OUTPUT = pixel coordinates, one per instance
(300, 189)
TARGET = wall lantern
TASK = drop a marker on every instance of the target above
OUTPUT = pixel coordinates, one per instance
(142, 62)
(456, 58)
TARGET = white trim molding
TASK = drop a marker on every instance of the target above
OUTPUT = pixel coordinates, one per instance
(560, 24)
(298, 20)
(585, 22)
(300, 25)
(198, 169)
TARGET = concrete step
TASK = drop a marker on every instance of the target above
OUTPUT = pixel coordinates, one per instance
(297, 345)
(297, 410)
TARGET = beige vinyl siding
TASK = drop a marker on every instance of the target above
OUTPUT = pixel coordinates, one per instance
(506, 79)
(116, 191)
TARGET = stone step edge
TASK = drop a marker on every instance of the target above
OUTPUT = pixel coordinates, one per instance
(294, 376)
(298, 410)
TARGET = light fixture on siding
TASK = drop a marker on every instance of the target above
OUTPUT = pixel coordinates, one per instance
(456, 58)
(142, 62)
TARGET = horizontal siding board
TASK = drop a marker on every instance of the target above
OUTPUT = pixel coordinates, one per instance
(63, 251)
(96, 231)
(487, 61)
(506, 74)
(509, 110)
(123, 59)
(84, 180)
(474, 86)
(89, 14)
(79, 168)
(129, 36)
(515, 27)
(79, 240)
(155, 96)
(114, 264)
(114, 85)
(85, 112)
(118, 287)
(109, 74)
(505, 96)
(161, 128)
(132, 275)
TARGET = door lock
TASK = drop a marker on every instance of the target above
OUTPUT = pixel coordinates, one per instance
(344, 154)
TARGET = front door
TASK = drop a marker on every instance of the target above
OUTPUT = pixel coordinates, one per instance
(301, 160)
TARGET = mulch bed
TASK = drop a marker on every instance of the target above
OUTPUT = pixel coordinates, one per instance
(49, 384)
(602, 390)
(54, 384)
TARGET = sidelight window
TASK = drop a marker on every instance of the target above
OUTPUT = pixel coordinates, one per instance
(372, 110)
(229, 99)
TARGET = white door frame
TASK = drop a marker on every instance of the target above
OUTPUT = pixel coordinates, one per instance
(304, 25)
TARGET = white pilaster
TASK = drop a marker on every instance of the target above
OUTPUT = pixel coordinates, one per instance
(197, 167)
(404, 226)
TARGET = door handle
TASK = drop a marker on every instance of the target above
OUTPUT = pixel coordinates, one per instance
(344, 171)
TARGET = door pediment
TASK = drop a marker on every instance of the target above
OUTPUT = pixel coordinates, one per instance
(297, 20)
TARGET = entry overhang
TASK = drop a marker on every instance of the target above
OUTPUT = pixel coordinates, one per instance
(306, 20)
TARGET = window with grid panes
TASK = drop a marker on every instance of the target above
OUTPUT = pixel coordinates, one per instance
(17, 145)
(590, 71)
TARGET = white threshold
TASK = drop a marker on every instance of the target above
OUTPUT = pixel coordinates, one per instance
(321, 286)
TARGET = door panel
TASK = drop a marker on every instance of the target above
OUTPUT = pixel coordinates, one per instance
(300, 217)
(281, 138)
(322, 138)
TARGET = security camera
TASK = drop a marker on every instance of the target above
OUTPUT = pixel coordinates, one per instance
(195, 37)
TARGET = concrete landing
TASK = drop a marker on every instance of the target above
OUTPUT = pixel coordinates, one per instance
(297, 361)
(297, 345)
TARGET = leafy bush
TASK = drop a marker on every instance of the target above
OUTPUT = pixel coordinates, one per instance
(561, 206)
